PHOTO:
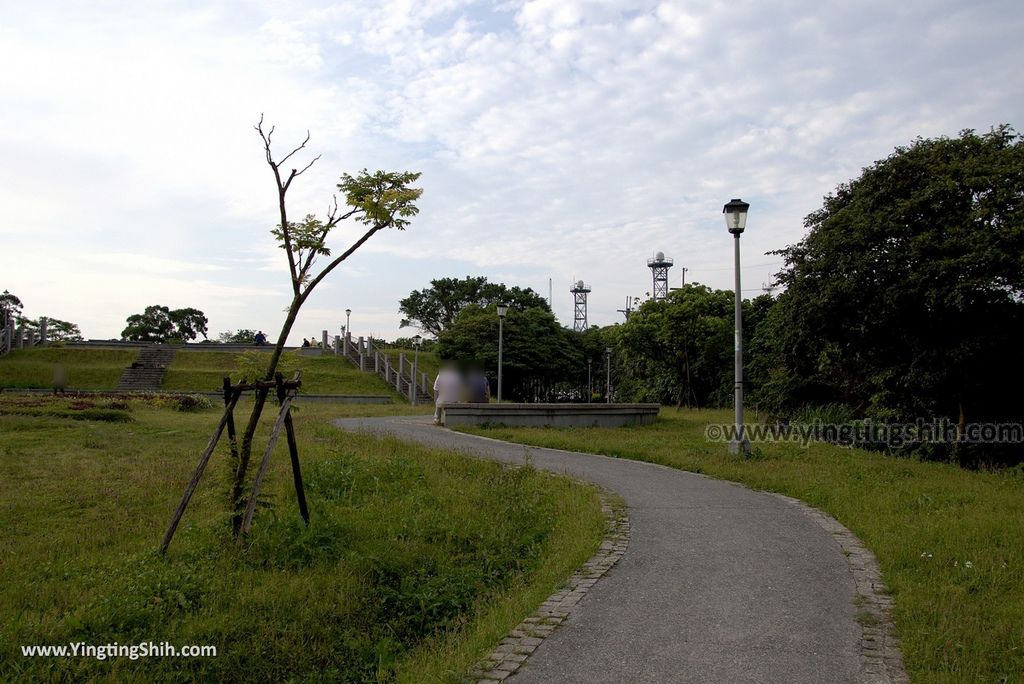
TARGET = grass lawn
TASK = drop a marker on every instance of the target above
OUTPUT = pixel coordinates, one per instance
(415, 564)
(329, 374)
(950, 542)
(191, 371)
(85, 368)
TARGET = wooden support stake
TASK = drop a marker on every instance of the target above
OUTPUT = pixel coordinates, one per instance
(238, 484)
(250, 507)
(200, 467)
(232, 438)
(293, 451)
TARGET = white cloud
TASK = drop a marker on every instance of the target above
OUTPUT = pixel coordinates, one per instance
(560, 139)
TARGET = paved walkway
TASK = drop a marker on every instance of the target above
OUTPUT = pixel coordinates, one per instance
(719, 583)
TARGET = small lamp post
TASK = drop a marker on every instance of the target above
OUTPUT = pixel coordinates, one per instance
(608, 372)
(502, 310)
(416, 342)
(736, 221)
(348, 321)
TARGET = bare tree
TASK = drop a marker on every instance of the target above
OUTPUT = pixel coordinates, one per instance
(377, 200)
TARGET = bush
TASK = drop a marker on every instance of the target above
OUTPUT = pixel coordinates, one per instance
(191, 403)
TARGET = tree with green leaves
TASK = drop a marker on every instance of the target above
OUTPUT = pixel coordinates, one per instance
(426, 344)
(906, 298)
(10, 307)
(375, 201)
(434, 308)
(162, 324)
(535, 345)
(242, 336)
(679, 350)
(62, 331)
(56, 329)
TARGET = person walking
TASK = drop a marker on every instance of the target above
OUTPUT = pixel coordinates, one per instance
(447, 389)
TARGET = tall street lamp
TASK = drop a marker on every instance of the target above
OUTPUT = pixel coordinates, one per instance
(348, 320)
(416, 342)
(608, 373)
(736, 220)
(502, 310)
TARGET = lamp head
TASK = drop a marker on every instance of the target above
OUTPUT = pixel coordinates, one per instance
(502, 310)
(735, 215)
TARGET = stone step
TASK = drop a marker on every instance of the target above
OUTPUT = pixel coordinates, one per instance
(148, 369)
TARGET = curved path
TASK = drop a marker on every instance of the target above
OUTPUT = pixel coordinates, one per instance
(719, 583)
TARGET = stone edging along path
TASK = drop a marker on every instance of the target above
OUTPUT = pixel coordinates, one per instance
(881, 659)
(522, 641)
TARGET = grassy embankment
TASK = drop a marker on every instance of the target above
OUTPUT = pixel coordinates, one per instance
(85, 368)
(415, 564)
(191, 371)
(950, 542)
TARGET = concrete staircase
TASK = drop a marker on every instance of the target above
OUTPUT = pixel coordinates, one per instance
(147, 372)
(364, 357)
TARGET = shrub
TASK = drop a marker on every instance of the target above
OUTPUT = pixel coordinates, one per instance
(190, 403)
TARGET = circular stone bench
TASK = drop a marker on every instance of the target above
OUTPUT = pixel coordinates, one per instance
(549, 415)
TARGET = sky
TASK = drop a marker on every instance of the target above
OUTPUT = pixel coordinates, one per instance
(558, 139)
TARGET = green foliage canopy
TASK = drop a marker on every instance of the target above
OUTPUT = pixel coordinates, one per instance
(242, 336)
(905, 298)
(434, 308)
(680, 350)
(162, 324)
(10, 307)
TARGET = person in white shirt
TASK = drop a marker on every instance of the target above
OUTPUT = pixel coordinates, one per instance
(447, 390)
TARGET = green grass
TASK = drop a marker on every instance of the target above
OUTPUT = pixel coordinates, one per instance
(191, 371)
(204, 371)
(84, 368)
(950, 542)
(416, 562)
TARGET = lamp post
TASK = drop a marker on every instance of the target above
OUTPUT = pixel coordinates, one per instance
(736, 220)
(608, 372)
(590, 381)
(348, 320)
(416, 342)
(502, 310)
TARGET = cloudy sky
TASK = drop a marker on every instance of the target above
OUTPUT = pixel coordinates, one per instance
(559, 139)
